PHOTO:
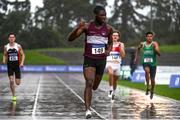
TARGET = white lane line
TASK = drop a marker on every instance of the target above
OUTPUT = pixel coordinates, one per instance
(68, 87)
(36, 98)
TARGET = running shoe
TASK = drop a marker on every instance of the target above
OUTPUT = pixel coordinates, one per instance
(151, 95)
(14, 98)
(88, 114)
(110, 94)
(113, 98)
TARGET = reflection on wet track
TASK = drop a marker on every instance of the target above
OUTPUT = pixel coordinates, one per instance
(60, 96)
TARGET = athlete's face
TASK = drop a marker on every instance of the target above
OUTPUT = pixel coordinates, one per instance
(101, 17)
(11, 38)
(115, 37)
(149, 37)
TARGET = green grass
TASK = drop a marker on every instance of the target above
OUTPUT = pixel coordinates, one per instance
(162, 90)
(170, 48)
(35, 58)
(164, 48)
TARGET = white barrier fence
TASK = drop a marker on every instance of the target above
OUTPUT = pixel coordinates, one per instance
(165, 75)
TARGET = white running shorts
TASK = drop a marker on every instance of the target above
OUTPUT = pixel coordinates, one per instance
(115, 66)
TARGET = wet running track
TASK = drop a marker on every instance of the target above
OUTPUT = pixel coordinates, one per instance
(47, 96)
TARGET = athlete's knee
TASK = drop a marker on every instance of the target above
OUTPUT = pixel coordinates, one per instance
(11, 82)
(89, 83)
(18, 82)
(111, 74)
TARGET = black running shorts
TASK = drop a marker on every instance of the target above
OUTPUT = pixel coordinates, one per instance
(152, 70)
(14, 68)
(99, 64)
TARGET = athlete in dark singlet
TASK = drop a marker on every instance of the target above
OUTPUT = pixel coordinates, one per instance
(98, 44)
(12, 53)
(148, 59)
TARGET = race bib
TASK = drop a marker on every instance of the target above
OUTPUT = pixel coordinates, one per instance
(98, 49)
(13, 58)
(115, 57)
(148, 60)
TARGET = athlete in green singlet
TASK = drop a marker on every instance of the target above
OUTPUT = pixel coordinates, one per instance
(150, 49)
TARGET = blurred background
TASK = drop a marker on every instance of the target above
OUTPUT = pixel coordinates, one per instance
(42, 31)
(48, 25)
(42, 24)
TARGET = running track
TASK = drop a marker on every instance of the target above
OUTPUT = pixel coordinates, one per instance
(60, 96)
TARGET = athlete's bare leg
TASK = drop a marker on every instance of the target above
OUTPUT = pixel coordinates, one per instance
(152, 88)
(89, 75)
(113, 92)
(115, 78)
(152, 76)
(110, 74)
(97, 81)
(147, 76)
(18, 81)
(12, 86)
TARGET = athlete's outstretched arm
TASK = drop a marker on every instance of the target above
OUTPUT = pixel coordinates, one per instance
(5, 56)
(77, 31)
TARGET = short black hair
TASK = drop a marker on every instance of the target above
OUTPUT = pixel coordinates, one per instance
(147, 33)
(11, 33)
(98, 8)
